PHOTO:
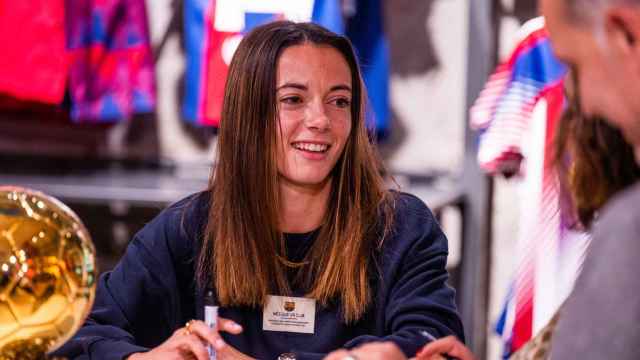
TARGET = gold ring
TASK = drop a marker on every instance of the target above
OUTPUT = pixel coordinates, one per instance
(187, 327)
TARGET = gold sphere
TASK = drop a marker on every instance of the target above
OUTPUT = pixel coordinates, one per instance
(47, 273)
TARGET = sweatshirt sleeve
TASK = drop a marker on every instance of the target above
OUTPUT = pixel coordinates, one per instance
(137, 305)
(414, 295)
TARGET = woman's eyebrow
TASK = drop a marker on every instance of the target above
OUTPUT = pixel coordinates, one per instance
(293, 85)
(341, 87)
(304, 87)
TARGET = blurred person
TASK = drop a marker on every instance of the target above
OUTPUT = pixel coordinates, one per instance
(296, 221)
(600, 40)
(595, 163)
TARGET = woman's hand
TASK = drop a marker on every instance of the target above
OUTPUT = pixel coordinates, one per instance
(370, 351)
(191, 341)
(449, 346)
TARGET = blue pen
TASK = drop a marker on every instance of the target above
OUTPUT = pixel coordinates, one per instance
(433, 338)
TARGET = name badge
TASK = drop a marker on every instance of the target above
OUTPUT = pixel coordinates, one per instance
(289, 314)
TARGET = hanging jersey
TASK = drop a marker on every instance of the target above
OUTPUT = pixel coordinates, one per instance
(111, 72)
(213, 30)
(33, 65)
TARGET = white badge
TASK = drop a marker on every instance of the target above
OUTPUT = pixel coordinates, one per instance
(290, 314)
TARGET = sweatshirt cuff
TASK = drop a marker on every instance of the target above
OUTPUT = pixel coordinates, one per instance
(114, 350)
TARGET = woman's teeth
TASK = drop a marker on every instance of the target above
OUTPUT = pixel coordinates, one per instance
(311, 147)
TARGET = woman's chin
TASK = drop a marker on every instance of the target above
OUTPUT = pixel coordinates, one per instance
(311, 181)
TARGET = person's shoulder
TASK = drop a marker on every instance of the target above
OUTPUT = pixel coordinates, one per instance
(627, 198)
(408, 207)
(620, 219)
(180, 224)
(608, 283)
(413, 222)
(622, 210)
(195, 206)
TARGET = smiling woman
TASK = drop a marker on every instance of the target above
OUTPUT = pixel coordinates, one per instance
(297, 237)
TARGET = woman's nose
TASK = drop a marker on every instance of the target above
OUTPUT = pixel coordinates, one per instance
(317, 117)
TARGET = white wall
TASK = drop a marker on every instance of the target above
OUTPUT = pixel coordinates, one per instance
(431, 106)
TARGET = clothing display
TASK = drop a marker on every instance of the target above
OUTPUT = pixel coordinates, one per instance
(111, 75)
(152, 292)
(213, 31)
(365, 29)
(34, 63)
(93, 56)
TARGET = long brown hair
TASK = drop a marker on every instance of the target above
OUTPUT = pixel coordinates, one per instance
(594, 159)
(243, 250)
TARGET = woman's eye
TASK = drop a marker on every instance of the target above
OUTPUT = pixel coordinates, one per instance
(342, 102)
(292, 100)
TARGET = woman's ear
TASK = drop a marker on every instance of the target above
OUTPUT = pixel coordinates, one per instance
(622, 24)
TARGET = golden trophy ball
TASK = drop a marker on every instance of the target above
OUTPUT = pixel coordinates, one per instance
(47, 274)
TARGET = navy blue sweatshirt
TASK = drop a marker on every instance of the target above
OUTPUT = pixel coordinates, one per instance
(152, 292)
